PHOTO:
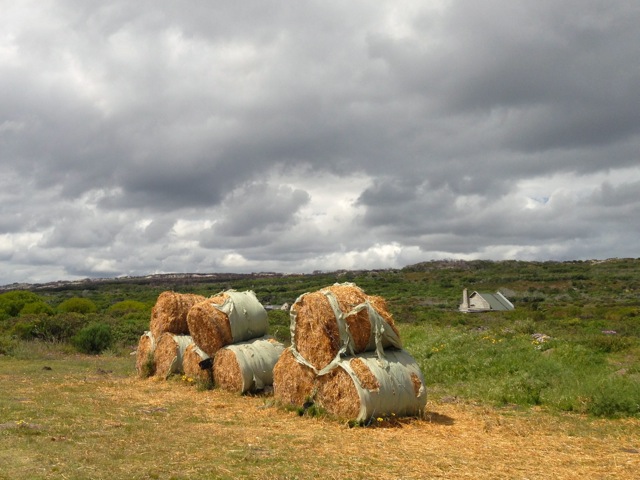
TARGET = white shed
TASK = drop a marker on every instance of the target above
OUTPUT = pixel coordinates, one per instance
(484, 302)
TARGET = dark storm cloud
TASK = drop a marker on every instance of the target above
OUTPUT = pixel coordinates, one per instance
(255, 213)
(194, 132)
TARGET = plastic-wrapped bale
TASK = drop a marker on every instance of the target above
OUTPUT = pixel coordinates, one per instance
(169, 353)
(169, 314)
(365, 386)
(247, 366)
(145, 363)
(293, 382)
(229, 317)
(340, 320)
(197, 365)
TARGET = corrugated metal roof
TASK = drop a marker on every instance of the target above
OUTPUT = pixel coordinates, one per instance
(497, 301)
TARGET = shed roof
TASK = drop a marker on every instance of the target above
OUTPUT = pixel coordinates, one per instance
(497, 301)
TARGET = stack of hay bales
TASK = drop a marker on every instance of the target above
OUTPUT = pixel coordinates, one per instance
(168, 315)
(231, 328)
(187, 332)
(347, 357)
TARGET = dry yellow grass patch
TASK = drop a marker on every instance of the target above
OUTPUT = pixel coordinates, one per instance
(452, 441)
(90, 421)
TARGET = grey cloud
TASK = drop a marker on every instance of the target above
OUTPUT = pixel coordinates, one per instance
(171, 114)
(255, 213)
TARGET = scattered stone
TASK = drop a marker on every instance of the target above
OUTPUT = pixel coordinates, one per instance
(630, 450)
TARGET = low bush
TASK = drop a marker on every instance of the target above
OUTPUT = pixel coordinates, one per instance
(94, 338)
(59, 328)
(7, 345)
(127, 329)
(37, 308)
(279, 322)
(126, 307)
(614, 397)
(77, 305)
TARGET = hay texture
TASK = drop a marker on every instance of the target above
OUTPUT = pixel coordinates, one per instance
(169, 314)
(169, 354)
(226, 318)
(195, 365)
(365, 386)
(145, 363)
(340, 320)
(293, 382)
(247, 366)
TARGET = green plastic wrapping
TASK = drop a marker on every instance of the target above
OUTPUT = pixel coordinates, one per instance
(256, 358)
(182, 342)
(247, 317)
(396, 395)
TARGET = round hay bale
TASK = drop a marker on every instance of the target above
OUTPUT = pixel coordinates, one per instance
(349, 296)
(169, 314)
(247, 366)
(365, 386)
(314, 330)
(209, 327)
(197, 365)
(169, 354)
(293, 382)
(338, 320)
(145, 363)
(229, 317)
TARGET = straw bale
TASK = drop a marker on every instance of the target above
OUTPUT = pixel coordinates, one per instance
(247, 366)
(317, 337)
(145, 364)
(337, 394)
(316, 332)
(169, 353)
(364, 386)
(293, 383)
(418, 386)
(209, 327)
(227, 373)
(366, 378)
(350, 296)
(169, 314)
(379, 304)
(191, 364)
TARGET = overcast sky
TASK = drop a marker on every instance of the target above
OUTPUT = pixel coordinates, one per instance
(141, 137)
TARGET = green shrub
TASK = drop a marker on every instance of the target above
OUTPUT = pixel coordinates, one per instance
(11, 303)
(24, 329)
(279, 322)
(36, 308)
(127, 330)
(523, 388)
(59, 328)
(615, 397)
(77, 305)
(94, 338)
(7, 345)
(126, 307)
(607, 343)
